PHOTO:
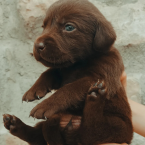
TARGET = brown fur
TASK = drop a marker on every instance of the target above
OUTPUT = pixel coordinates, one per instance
(77, 59)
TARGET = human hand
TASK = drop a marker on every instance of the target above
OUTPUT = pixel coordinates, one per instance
(76, 120)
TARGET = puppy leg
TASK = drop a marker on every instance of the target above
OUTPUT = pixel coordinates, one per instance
(56, 135)
(66, 97)
(70, 132)
(52, 131)
(99, 124)
(32, 135)
(48, 81)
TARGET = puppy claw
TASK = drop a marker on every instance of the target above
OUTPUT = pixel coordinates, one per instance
(101, 85)
(93, 94)
(95, 84)
(102, 92)
(97, 90)
(45, 118)
(38, 97)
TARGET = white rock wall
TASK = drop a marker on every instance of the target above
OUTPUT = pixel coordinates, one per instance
(20, 24)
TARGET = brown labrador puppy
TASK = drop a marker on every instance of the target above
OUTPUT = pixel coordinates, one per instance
(77, 45)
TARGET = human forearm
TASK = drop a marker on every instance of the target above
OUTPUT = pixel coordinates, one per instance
(138, 117)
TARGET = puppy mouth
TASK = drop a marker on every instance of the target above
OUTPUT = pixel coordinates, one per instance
(52, 64)
(57, 61)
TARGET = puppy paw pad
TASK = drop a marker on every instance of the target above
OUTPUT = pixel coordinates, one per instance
(98, 89)
(93, 94)
(9, 121)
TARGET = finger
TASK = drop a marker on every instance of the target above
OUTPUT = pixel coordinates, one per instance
(76, 121)
(76, 118)
(66, 118)
(65, 121)
(75, 124)
(63, 124)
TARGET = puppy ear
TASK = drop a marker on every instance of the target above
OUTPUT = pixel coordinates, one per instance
(105, 36)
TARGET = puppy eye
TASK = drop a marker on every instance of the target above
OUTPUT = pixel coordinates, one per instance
(69, 27)
(42, 26)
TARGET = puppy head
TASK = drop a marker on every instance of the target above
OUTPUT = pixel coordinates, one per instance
(74, 30)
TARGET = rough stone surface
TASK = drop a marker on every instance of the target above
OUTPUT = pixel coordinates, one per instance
(20, 24)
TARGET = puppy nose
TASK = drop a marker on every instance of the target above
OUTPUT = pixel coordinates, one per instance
(39, 46)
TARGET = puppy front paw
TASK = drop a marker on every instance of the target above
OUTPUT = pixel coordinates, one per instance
(97, 90)
(43, 110)
(37, 92)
